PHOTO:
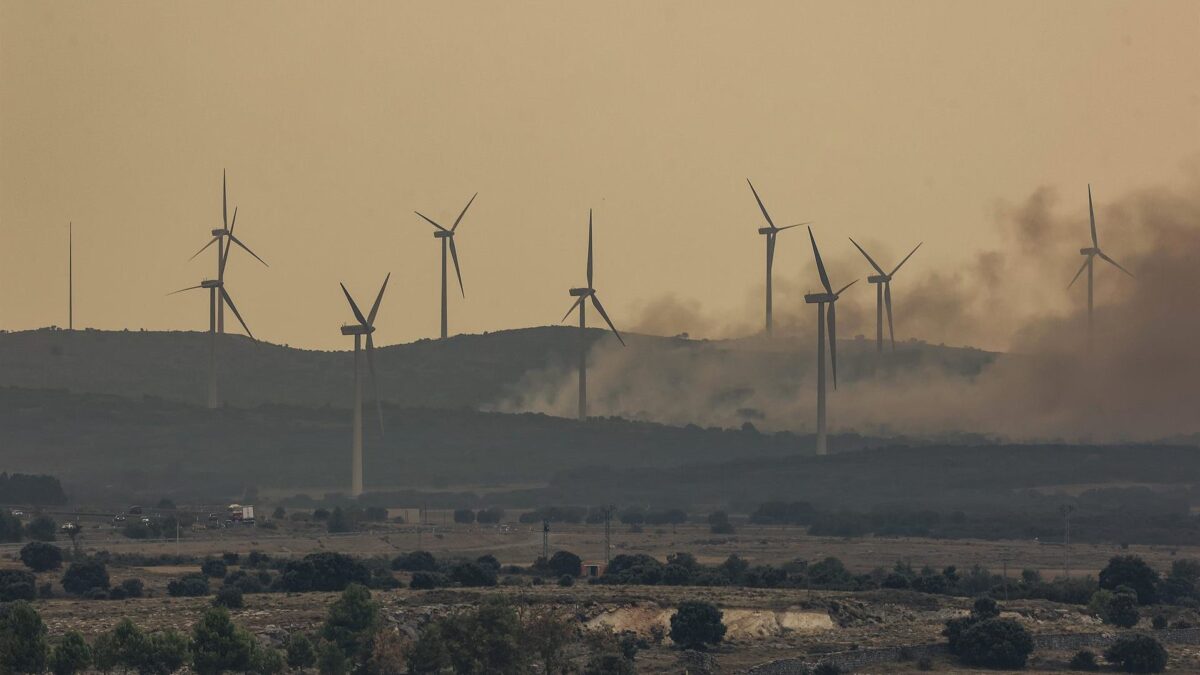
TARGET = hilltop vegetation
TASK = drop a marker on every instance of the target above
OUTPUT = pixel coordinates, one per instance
(464, 371)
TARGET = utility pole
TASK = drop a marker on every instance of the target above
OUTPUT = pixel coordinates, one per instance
(608, 511)
(1005, 562)
(546, 539)
(1066, 510)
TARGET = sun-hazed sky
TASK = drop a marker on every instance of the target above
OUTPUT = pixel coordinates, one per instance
(890, 121)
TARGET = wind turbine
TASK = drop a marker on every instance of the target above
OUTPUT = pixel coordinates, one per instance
(1092, 253)
(883, 294)
(216, 292)
(769, 232)
(219, 236)
(447, 237)
(365, 326)
(580, 295)
(821, 300)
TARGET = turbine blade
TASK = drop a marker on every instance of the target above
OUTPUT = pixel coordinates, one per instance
(788, 227)
(185, 289)
(375, 307)
(203, 248)
(357, 314)
(820, 265)
(464, 212)
(760, 204)
(887, 302)
(247, 249)
(234, 223)
(600, 308)
(831, 315)
(910, 253)
(843, 288)
(430, 221)
(1081, 269)
(589, 262)
(457, 271)
(867, 256)
(573, 306)
(229, 301)
(1092, 218)
(224, 202)
(1114, 262)
(374, 380)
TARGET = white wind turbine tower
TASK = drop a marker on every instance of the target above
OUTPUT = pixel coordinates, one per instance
(365, 326)
(219, 237)
(447, 237)
(582, 294)
(769, 232)
(1091, 254)
(216, 292)
(821, 300)
(883, 295)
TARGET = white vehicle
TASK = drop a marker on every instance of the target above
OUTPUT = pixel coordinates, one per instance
(239, 513)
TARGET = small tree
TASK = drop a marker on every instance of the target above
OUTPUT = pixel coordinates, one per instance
(1084, 660)
(23, 646)
(416, 561)
(230, 597)
(564, 562)
(266, 660)
(1137, 654)
(219, 645)
(697, 624)
(71, 655)
(41, 557)
(351, 622)
(1123, 608)
(214, 568)
(85, 575)
(464, 516)
(996, 643)
(164, 653)
(42, 528)
(191, 585)
(548, 634)
(340, 521)
(471, 574)
(1131, 571)
(300, 652)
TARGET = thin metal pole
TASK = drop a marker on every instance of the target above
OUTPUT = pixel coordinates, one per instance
(769, 324)
(71, 276)
(582, 359)
(821, 441)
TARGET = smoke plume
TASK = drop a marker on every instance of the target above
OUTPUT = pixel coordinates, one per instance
(1137, 382)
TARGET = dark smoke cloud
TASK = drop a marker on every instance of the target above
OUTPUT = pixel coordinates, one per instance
(1138, 382)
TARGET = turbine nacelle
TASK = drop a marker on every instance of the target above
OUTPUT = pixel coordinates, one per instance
(220, 232)
(879, 279)
(766, 230)
(357, 329)
(1089, 251)
(211, 283)
(581, 292)
(814, 298)
(442, 234)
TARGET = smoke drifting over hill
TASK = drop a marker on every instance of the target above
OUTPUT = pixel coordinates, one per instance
(1138, 383)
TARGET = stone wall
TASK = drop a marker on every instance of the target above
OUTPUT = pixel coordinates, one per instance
(859, 658)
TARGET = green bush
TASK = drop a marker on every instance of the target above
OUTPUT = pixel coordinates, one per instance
(71, 655)
(424, 581)
(1131, 571)
(23, 647)
(229, 597)
(995, 643)
(1084, 660)
(564, 562)
(214, 568)
(266, 661)
(219, 645)
(416, 561)
(16, 585)
(41, 557)
(42, 528)
(85, 575)
(300, 651)
(697, 624)
(351, 623)
(1137, 654)
(487, 640)
(191, 585)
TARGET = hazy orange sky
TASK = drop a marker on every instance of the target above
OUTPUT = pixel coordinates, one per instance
(889, 121)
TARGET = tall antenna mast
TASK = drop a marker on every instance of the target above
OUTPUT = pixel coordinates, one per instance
(71, 276)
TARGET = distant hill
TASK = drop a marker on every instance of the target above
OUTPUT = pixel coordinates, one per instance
(100, 444)
(464, 371)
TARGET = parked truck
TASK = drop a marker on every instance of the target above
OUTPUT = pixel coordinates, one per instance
(241, 513)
